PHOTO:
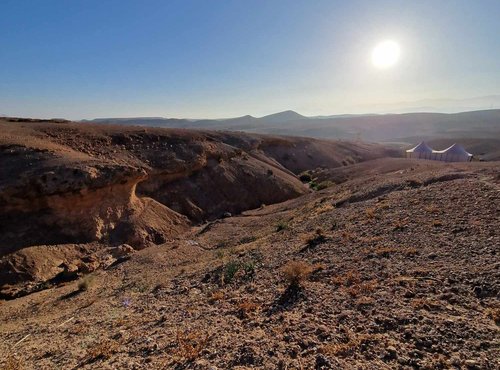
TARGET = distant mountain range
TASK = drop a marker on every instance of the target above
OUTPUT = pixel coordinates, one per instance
(369, 127)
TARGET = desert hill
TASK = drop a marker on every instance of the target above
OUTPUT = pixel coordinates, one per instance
(394, 266)
(371, 127)
(73, 185)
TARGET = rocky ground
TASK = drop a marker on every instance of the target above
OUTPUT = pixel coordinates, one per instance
(71, 192)
(395, 265)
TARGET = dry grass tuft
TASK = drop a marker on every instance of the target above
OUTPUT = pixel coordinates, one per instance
(351, 277)
(295, 272)
(363, 288)
(246, 307)
(370, 212)
(353, 283)
(190, 344)
(216, 296)
(101, 351)
(316, 238)
(85, 283)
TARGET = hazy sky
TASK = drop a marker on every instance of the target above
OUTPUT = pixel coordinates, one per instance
(186, 58)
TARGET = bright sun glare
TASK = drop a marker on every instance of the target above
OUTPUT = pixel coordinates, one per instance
(385, 54)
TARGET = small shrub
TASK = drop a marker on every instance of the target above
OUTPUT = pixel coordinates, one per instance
(318, 237)
(370, 213)
(85, 283)
(237, 268)
(246, 307)
(323, 185)
(218, 295)
(230, 271)
(248, 268)
(305, 177)
(282, 225)
(295, 272)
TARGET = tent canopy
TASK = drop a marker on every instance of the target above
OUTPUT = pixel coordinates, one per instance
(422, 147)
(455, 149)
(455, 153)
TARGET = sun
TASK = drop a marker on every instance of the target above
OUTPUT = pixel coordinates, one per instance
(386, 54)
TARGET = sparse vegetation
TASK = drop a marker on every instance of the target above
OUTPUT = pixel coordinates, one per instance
(216, 296)
(370, 212)
(318, 237)
(282, 225)
(100, 351)
(246, 307)
(230, 271)
(295, 272)
(235, 268)
(323, 185)
(190, 344)
(320, 186)
(85, 283)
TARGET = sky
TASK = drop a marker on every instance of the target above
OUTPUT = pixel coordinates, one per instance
(214, 59)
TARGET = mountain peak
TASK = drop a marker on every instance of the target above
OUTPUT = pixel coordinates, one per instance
(287, 115)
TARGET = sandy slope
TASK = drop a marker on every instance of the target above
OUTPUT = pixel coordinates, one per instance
(404, 273)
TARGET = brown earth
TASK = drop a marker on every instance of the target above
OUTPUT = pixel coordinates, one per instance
(396, 266)
(66, 184)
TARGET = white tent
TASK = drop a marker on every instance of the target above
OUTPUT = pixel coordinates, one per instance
(421, 151)
(455, 153)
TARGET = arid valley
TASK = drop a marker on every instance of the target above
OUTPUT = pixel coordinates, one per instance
(135, 247)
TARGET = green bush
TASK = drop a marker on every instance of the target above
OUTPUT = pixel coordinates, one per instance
(282, 225)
